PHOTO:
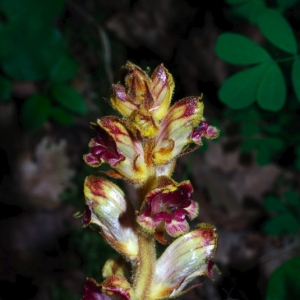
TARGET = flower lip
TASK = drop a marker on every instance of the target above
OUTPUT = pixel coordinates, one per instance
(204, 130)
(112, 288)
(169, 204)
(103, 148)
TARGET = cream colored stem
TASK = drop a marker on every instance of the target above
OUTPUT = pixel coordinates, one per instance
(145, 267)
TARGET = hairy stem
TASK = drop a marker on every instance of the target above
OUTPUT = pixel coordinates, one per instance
(147, 255)
(145, 267)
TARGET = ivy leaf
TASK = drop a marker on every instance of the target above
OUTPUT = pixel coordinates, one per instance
(239, 91)
(61, 116)
(238, 49)
(296, 77)
(283, 223)
(272, 203)
(277, 30)
(271, 93)
(69, 98)
(35, 111)
(5, 89)
(284, 281)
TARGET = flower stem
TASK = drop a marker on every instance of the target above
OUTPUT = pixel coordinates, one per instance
(145, 267)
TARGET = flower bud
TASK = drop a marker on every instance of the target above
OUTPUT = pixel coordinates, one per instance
(176, 129)
(137, 85)
(187, 257)
(121, 102)
(162, 87)
(107, 207)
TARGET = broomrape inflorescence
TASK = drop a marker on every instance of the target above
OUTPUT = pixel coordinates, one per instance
(142, 147)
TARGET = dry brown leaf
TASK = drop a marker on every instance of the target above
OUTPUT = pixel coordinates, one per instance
(44, 175)
(244, 181)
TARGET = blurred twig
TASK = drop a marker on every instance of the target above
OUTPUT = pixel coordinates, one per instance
(277, 252)
(102, 36)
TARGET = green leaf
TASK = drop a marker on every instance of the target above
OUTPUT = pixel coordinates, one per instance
(234, 2)
(249, 145)
(64, 69)
(69, 98)
(277, 30)
(238, 49)
(285, 4)
(248, 115)
(296, 77)
(249, 129)
(239, 91)
(248, 9)
(272, 128)
(292, 198)
(29, 52)
(39, 11)
(5, 89)
(283, 223)
(272, 203)
(297, 163)
(271, 92)
(60, 116)
(273, 143)
(284, 120)
(35, 111)
(284, 281)
(263, 155)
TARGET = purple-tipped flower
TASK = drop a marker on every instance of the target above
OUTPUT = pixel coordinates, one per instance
(113, 288)
(142, 147)
(186, 258)
(103, 149)
(176, 129)
(107, 207)
(204, 130)
(116, 146)
(166, 207)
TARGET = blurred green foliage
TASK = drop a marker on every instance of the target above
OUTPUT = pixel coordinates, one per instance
(284, 282)
(263, 100)
(267, 133)
(286, 214)
(264, 82)
(32, 48)
(266, 121)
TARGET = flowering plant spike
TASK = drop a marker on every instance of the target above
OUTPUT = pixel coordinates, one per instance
(141, 146)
